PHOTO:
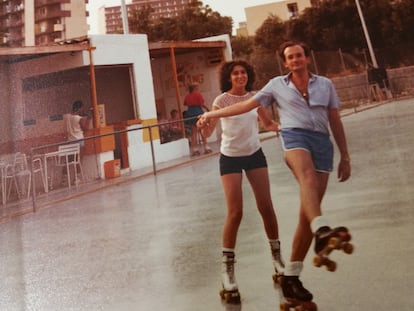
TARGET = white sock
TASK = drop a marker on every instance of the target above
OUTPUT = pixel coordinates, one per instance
(274, 244)
(317, 222)
(293, 268)
(227, 250)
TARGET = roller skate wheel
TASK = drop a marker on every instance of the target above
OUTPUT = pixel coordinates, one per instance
(331, 266)
(348, 248)
(277, 278)
(333, 243)
(284, 307)
(317, 261)
(222, 294)
(345, 236)
(310, 306)
(232, 297)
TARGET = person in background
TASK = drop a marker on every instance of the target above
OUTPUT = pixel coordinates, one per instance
(76, 122)
(195, 107)
(241, 151)
(308, 107)
(176, 128)
(163, 128)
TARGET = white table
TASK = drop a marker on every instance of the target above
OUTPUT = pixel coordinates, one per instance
(54, 155)
(50, 155)
(3, 165)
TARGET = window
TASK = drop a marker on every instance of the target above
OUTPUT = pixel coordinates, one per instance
(293, 10)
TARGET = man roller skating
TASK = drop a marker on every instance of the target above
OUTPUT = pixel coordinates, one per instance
(294, 293)
(308, 112)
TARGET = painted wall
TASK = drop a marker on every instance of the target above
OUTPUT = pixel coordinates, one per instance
(128, 49)
(256, 15)
(5, 105)
(28, 107)
(67, 79)
(190, 68)
(18, 109)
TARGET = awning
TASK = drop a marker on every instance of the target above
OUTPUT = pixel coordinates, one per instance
(15, 54)
(12, 55)
(162, 49)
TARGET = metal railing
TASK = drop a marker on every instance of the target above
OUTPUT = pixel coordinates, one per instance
(40, 150)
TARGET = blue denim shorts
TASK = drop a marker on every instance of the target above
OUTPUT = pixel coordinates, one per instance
(317, 144)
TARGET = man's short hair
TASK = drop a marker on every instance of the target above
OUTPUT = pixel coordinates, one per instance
(287, 44)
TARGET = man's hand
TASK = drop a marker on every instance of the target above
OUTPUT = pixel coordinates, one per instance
(344, 169)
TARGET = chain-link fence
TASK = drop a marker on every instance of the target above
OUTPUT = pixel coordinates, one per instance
(349, 72)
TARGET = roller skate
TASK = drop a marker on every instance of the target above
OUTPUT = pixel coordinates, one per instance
(230, 292)
(293, 295)
(278, 263)
(327, 240)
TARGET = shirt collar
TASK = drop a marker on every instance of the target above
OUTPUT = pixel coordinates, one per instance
(286, 78)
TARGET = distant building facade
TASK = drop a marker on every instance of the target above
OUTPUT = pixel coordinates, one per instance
(162, 8)
(285, 10)
(41, 22)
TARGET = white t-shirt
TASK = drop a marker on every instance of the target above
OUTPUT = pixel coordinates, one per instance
(240, 134)
(72, 126)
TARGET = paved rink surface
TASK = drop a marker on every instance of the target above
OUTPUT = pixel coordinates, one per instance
(155, 243)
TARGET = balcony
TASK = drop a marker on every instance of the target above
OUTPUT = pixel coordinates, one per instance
(40, 3)
(52, 15)
(58, 27)
(48, 28)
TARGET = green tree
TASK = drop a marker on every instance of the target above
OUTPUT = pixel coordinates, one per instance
(271, 34)
(164, 30)
(378, 17)
(403, 20)
(196, 21)
(267, 65)
(332, 25)
(242, 47)
(139, 20)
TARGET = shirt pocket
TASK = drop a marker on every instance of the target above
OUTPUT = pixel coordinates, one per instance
(320, 96)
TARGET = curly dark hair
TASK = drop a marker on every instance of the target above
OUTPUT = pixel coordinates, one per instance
(287, 44)
(227, 68)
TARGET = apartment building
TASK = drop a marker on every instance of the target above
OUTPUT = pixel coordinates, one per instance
(285, 10)
(41, 22)
(162, 8)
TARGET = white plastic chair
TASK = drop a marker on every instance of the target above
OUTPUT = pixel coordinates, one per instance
(67, 156)
(18, 173)
(37, 167)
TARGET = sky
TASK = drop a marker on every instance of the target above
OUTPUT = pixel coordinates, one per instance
(224, 7)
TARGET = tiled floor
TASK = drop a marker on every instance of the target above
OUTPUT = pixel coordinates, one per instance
(153, 242)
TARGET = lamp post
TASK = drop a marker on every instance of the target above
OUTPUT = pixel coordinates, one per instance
(124, 14)
(367, 38)
(378, 75)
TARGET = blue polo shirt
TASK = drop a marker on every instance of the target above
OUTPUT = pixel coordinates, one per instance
(294, 110)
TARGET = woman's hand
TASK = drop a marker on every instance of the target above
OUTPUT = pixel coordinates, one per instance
(203, 120)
